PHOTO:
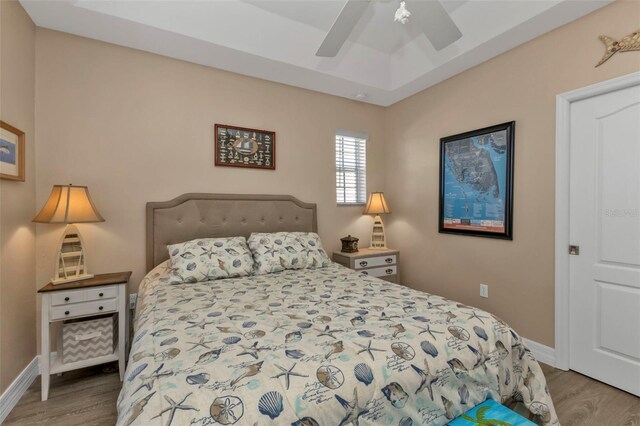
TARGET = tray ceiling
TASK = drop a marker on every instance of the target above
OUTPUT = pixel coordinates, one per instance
(382, 62)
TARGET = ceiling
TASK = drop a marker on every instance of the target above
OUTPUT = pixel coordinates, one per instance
(382, 62)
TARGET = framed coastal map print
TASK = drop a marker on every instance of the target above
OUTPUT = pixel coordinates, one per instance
(243, 147)
(11, 152)
(476, 182)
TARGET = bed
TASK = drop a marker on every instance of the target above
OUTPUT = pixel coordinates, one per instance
(320, 346)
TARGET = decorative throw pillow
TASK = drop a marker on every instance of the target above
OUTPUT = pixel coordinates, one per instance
(209, 259)
(316, 256)
(287, 250)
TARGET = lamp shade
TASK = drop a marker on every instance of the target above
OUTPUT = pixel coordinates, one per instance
(69, 204)
(376, 204)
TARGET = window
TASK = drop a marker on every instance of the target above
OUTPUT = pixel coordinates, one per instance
(351, 168)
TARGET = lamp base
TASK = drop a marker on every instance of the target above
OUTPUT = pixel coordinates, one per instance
(378, 237)
(56, 281)
(71, 258)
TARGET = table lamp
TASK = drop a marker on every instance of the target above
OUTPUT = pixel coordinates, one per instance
(69, 204)
(377, 205)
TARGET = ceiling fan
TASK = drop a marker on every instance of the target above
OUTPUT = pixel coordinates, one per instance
(430, 15)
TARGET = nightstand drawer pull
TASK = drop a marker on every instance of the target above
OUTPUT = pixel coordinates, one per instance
(100, 293)
(380, 272)
(375, 261)
(83, 309)
(67, 297)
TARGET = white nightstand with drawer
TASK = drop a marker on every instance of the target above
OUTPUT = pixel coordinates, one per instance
(102, 294)
(381, 263)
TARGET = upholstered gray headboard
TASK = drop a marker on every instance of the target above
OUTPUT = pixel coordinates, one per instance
(192, 216)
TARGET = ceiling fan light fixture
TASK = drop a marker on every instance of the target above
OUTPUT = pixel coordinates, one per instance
(402, 14)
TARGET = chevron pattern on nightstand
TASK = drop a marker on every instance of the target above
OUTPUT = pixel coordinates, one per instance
(89, 339)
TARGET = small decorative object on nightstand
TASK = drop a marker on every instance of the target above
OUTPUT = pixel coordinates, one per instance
(349, 244)
(381, 263)
(377, 205)
(69, 204)
(102, 294)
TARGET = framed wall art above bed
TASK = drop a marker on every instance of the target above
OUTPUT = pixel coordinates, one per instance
(476, 182)
(244, 147)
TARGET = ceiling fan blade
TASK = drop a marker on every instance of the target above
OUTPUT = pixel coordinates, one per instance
(342, 27)
(435, 22)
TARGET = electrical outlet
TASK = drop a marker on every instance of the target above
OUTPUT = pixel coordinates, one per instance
(133, 298)
(484, 290)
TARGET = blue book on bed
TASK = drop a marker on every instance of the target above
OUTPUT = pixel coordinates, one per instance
(490, 413)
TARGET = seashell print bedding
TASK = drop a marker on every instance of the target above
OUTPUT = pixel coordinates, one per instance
(317, 347)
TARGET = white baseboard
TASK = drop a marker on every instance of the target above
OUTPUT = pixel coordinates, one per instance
(14, 392)
(543, 353)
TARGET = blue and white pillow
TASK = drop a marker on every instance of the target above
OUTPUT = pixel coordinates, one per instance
(278, 251)
(209, 259)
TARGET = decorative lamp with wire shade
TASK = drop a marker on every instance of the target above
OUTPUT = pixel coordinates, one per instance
(377, 205)
(70, 204)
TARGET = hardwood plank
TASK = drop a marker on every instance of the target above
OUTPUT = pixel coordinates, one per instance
(88, 397)
(80, 397)
(582, 401)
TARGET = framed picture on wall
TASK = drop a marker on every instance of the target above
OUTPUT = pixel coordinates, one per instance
(244, 147)
(476, 182)
(11, 152)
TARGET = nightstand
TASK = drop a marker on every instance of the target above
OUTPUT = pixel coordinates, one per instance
(102, 294)
(381, 263)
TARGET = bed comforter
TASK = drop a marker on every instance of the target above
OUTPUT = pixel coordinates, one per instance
(318, 347)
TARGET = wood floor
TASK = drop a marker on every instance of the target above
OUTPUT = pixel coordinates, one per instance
(77, 398)
(88, 397)
(581, 401)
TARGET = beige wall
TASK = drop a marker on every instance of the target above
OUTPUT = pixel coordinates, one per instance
(17, 199)
(519, 85)
(138, 127)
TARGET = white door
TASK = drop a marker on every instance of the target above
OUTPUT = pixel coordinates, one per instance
(605, 223)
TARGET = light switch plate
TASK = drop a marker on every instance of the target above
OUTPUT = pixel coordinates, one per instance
(484, 291)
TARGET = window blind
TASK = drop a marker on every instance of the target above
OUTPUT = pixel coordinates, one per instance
(351, 169)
